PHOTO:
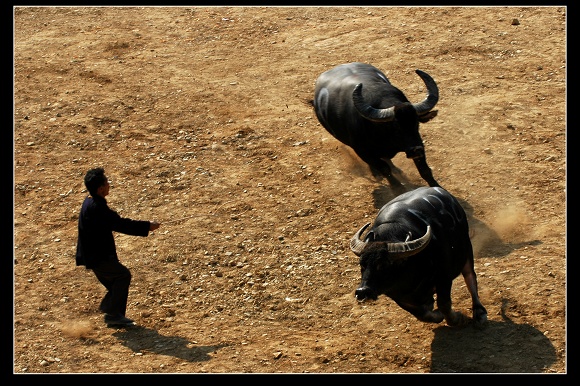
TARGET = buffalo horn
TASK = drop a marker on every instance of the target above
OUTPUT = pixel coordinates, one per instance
(388, 114)
(405, 249)
(356, 244)
(369, 112)
(432, 94)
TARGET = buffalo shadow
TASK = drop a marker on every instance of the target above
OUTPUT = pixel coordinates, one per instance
(498, 347)
(142, 339)
(486, 242)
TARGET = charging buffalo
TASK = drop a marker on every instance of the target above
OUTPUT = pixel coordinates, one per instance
(418, 244)
(357, 104)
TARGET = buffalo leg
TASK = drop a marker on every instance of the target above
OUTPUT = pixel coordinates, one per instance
(453, 318)
(425, 312)
(479, 311)
(425, 171)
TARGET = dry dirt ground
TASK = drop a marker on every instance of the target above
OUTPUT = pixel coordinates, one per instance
(200, 116)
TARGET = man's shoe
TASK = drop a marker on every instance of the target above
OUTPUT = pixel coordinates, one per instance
(118, 321)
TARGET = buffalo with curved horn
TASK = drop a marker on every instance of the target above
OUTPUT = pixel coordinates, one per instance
(356, 103)
(417, 245)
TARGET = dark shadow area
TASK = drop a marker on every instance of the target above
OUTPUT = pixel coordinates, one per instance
(499, 347)
(142, 339)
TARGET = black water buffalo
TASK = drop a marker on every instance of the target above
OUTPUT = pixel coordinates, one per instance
(418, 244)
(357, 104)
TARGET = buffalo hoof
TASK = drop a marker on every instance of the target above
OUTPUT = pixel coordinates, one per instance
(456, 319)
(480, 315)
(434, 316)
(480, 320)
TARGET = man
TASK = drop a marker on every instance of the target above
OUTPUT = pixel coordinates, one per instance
(96, 246)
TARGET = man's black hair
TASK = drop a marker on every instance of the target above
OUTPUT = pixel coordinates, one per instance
(94, 179)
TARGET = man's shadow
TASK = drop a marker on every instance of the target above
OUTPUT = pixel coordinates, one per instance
(500, 347)
(142, 339)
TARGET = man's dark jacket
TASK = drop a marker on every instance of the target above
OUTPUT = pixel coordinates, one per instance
(96, 225)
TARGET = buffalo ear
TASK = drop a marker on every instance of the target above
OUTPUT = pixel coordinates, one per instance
(428, 116)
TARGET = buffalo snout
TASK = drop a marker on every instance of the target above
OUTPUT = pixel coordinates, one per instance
(364, 293)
